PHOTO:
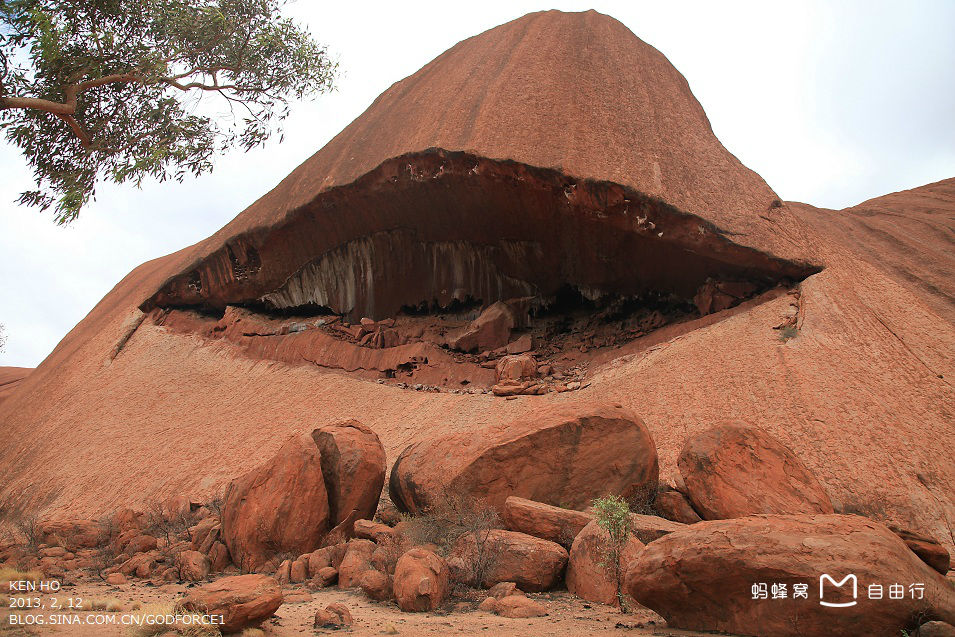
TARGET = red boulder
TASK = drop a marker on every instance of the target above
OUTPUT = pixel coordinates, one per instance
(422, 581)
(565, 455)
(733, 470)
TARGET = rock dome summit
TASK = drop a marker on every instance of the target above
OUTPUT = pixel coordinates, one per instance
(527, 256)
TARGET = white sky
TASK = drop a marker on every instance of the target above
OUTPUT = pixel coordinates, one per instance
(832, 103)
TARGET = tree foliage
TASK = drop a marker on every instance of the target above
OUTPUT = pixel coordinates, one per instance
(123, 90)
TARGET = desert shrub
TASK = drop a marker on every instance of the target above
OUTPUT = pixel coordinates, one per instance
(161, 523)
(193, 629)
(13, 575)
(215, 505)
(139, 627)
(612, 514)
(390, 548)
(643, 500)
(110, 605)
(450, 516)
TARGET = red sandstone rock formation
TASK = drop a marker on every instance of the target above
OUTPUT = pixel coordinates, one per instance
(590, 572)
(353, 464)
(559, 455)
(312, 487)
(673, 505)
(703, 577)
(242, 600)
(734, 470)
(861, 391)
(10, 379)
(422, 581)
(280, 506)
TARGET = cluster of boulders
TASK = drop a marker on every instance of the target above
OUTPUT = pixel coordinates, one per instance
(368, 332)
(770, 522)
(745, 511)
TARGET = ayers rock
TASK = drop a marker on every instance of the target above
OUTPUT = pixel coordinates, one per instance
(556, 159)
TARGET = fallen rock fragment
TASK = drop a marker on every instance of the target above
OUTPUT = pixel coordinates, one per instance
(935, 629)
(490, 330)
(282, 506)
(356, 561)
(242, 600)
(374, 531)
(422, 581)
(376, 585)
(673, 505)
(353, 464)
(72, 534)
(514, 369)
(928, 549)
(333, 616)
(513, 607)
(590, 573)
(519, 607)
(193, 566)
(648, 528)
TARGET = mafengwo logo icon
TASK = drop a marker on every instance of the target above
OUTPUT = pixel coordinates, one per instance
(838, 592)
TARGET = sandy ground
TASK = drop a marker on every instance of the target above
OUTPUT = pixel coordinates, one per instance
(567, 616)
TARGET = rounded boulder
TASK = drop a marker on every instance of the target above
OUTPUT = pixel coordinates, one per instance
(561, 455)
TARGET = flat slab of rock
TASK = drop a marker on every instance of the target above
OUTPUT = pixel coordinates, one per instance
(565, 455)
(648, 528)
(706, 577)
(544, 521)
(242, 600)
(928, 549)
(734, 470)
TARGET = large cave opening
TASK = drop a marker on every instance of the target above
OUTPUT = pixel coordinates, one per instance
(413, 254)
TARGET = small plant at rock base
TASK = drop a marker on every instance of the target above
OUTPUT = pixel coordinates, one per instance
(612, 514)
(787, 333)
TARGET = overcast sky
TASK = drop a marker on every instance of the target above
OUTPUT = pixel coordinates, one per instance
(832, 103)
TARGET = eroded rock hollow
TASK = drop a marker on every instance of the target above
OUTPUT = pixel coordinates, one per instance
(414, 250)
(428, 229)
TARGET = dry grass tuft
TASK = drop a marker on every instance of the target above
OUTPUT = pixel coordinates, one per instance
(13, 575)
